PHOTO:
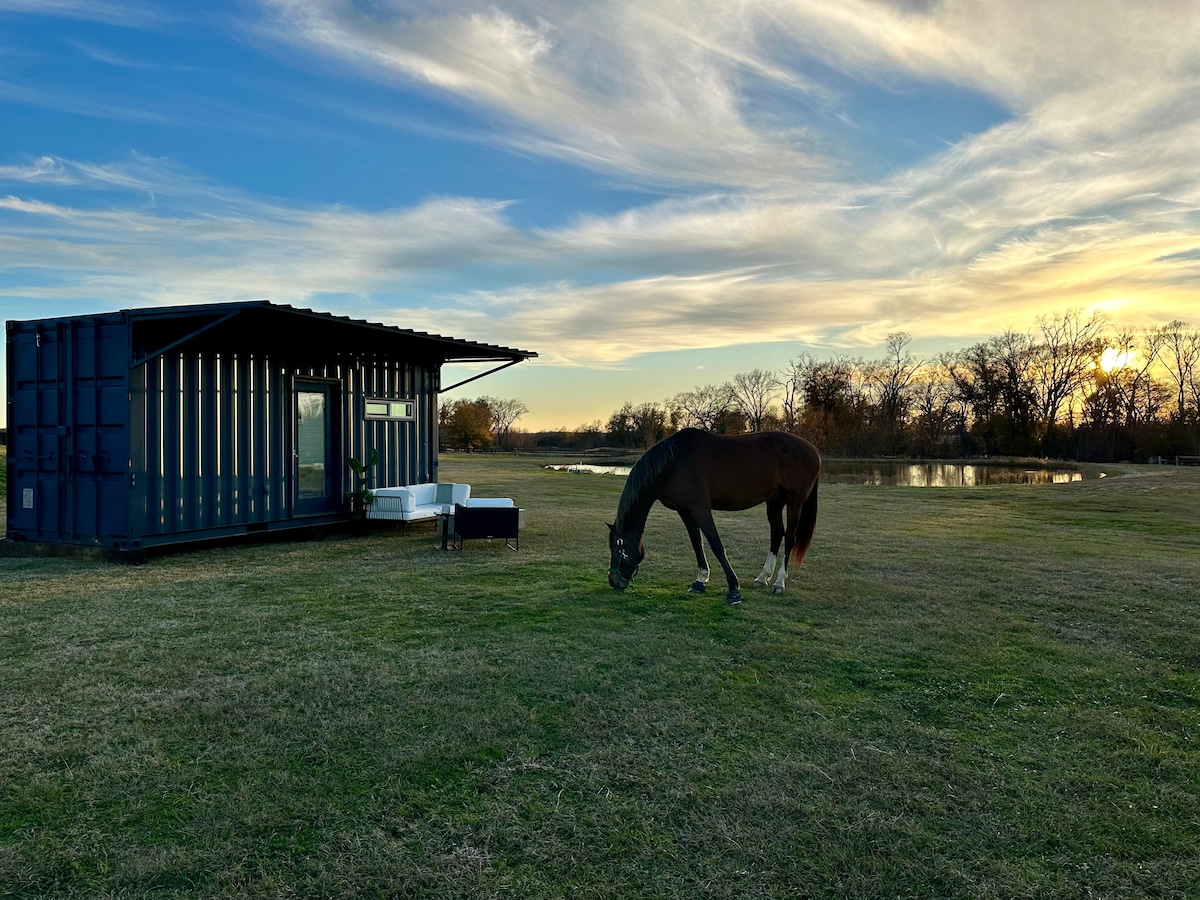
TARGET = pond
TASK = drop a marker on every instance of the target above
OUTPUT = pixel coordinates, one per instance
(905, 474)
(592, 470)
(933, 474)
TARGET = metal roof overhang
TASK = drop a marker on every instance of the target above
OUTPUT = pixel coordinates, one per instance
(259, 326)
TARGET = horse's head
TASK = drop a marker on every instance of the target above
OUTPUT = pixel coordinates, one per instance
(626, 553)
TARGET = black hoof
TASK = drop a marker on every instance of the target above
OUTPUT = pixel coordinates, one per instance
(697, 587)
(733, 598)
(777, 590)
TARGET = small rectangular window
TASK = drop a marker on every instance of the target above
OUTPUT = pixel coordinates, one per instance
(377, 408)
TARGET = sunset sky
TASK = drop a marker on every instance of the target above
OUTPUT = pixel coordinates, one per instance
(651, 195)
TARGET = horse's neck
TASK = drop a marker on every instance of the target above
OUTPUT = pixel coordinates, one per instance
(638, 513)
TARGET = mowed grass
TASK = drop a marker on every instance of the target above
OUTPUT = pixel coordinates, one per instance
(964, 693)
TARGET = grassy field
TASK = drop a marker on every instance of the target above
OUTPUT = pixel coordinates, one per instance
(965, 693)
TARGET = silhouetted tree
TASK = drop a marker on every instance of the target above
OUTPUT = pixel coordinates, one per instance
(890, 379)
(791, 397)
(1060, 366)
(622, 429)
(937, 414)
(753, 395)
(706, 406)
(650, 419)
(834, 411)
(505, 412)
(1180, 352)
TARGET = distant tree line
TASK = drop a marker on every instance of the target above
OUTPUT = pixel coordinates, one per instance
(1069, 388)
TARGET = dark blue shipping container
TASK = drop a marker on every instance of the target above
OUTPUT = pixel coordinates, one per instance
(146, 427)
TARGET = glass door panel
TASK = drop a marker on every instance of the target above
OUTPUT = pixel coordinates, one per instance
(316, 466)
(312, 416)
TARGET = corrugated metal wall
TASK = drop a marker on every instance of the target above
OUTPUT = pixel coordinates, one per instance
(219, 430)
(68, 430)
(187, 445)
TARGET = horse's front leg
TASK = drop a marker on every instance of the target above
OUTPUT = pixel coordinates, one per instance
(693, 530)
(709, 527)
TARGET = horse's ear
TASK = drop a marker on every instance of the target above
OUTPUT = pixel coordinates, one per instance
(609, 524)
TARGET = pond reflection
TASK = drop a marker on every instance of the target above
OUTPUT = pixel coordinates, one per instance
(592, 470)
(900, 474)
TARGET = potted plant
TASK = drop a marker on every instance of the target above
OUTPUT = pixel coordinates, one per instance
(361, 497)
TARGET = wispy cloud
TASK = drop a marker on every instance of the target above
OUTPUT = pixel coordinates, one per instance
(715, 93)
(1087, 195)
(964, 247)
(132, 13)
(43, 170)
(641, 91)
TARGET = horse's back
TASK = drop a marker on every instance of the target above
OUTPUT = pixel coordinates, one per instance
(740, 471)
(792, 446)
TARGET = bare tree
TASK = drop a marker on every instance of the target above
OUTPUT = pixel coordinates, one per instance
(1063, 362)
(505, 412)
(621, 429)
(704, 407)
(791, 387)
(1140, 397)
(890, 380)
(832, 402)
(753, 393)
(1180, 354)
(992, 380)
(936, 412)
(650, 419)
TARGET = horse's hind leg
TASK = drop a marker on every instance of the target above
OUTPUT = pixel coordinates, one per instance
(693, 530)
(775, 519)
(793, 518)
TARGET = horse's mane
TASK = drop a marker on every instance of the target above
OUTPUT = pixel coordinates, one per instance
(648, 472)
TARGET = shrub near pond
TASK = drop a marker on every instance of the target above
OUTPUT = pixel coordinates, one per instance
(986, 692)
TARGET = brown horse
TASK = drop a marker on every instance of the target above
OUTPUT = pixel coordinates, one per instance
(694, 472)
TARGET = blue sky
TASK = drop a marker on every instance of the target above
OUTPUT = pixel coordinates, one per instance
(652, 195)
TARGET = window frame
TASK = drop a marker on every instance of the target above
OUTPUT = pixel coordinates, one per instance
(389, 402)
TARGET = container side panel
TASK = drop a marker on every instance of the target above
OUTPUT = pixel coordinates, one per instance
(280, 463)
(69, 428)
(172, 445)
(152, 471)
(226, 441)
(136, 447)
(191, 491)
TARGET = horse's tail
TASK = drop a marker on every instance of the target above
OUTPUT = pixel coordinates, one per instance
(805, 527)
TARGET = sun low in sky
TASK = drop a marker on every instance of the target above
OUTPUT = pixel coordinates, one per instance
(651, 195)
(1113, 360)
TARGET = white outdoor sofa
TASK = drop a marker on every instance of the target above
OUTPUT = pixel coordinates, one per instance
(418, 502)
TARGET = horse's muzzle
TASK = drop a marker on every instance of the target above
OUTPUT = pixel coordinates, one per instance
(616, 580)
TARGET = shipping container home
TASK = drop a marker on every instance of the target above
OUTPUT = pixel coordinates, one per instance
(147, 427)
